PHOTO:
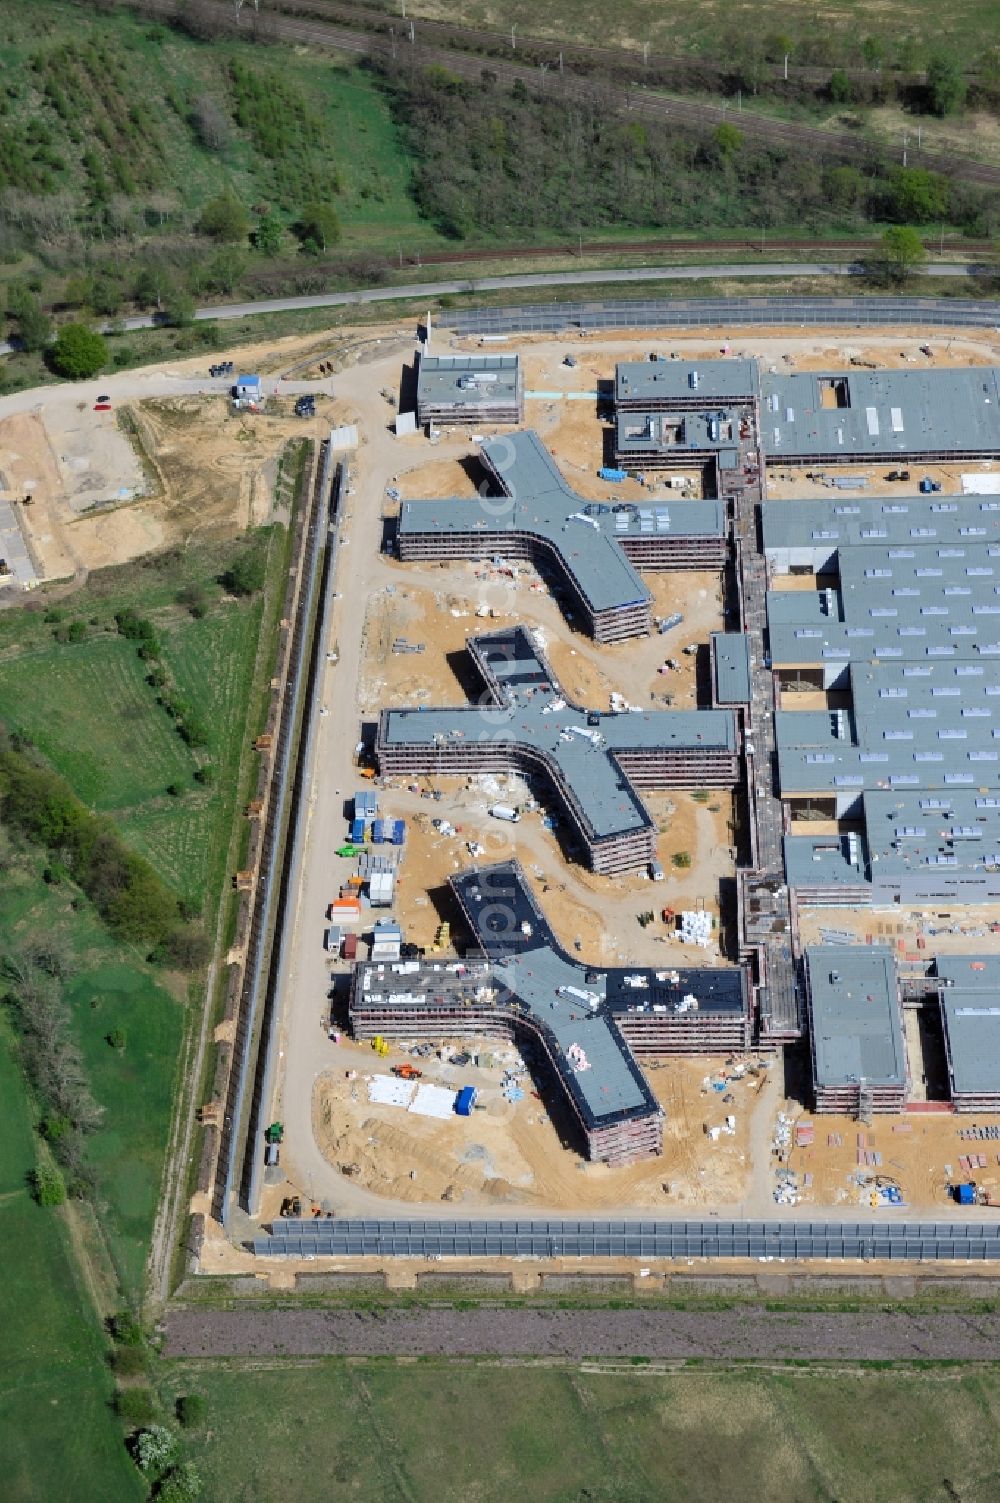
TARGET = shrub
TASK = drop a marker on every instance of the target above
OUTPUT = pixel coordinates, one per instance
(182, 1484)
(155, 1449)
(135, 1406)
(246, 574)
(79, 352)
(191, 1411)
(117, 1039)
(128, 1361)
(125, 1328)
(681, 859)
(224, 218)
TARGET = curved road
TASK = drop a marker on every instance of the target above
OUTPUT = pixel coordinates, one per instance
(417, 291)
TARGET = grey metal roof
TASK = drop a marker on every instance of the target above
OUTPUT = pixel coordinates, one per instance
(853, 521)
(582, 744)
(856, 1019)
(970, 999)
(910, 726)
(905, 412)
(639, 435)
(918, 603)
(667, 380)
(731, 658)
(823, 861)
(439, 377)
(536, 500)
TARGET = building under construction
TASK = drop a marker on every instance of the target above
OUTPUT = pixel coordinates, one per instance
(970, 1014)
(593, 761)
(593, 548)
(856, 1031)
(586, 1025)
(469, 389)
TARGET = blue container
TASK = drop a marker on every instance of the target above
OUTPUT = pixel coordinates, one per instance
(378, 832)
(465, 1101)
(398, 831)
(964, 1194)
(357, 831)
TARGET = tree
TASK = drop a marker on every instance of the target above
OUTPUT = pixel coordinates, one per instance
(224, 218)
(48, 1185)
(903, 251)
(268, 235)
(945, 85)
(117, 1040)
(79, 352)
(873, 52)
(728, 139)
(33, 325)
(840, 88)
(180, 309)
(210, 125)
(844, 186)
(917, 196)
(319, 222)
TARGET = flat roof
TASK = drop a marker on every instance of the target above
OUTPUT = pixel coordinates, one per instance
(970, 1003)
(909, 726)
(856, 1019)
(451, 380)
(585, 534)
(731, 662)
(530, 709)
(899, 520)
(667, 380)
(902, 412)
(638, 434)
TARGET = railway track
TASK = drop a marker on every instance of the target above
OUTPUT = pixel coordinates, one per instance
(632, 59)
(631, 98)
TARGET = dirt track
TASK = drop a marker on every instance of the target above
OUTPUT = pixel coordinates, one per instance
(671, 1334)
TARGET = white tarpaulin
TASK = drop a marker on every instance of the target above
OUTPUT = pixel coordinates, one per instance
(345, 437)
(433, 1101)
(406, 422)
(386, 1090)
(981, 485)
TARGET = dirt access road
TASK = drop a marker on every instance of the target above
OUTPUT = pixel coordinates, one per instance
(672, 1335)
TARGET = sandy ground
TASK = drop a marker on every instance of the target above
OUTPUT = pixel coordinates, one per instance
(919, 1152)
(915, 933)
(512, 1154)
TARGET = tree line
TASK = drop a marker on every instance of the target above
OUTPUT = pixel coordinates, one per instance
(497, 161)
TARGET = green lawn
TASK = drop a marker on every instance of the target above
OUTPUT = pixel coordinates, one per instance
(58, 1437)
(434, 1433)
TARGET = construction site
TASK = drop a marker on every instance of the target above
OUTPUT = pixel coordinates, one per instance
(602, 624)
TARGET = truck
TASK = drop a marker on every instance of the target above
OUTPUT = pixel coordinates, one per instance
(505, 812)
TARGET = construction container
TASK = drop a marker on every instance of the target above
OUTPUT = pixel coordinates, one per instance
(398, 831)
(357, 831)
(350, 947)
(332, 940)
(365, 804)
(465, 1101)
(965, 1195)
(380, 833)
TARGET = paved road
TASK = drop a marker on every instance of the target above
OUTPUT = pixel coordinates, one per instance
(742, 1333)
(777, 270)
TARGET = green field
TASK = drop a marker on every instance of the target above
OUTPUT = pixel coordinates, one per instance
(376, 1432)
(967, 27)
(58, 1437)
(88, 709)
